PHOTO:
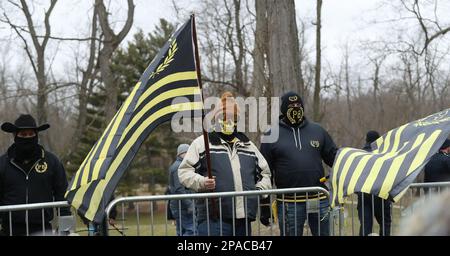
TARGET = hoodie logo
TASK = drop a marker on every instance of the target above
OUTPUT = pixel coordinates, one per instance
(41, 167)
(293, 99)
(315, 143)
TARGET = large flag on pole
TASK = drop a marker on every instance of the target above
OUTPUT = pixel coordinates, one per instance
(397, 159)
(171, 75)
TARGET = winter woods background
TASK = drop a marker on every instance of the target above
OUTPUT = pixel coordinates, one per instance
(397, 72)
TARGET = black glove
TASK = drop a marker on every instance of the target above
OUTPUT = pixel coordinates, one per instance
(266, 207)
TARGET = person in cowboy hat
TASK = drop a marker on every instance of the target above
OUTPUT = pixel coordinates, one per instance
(236, 165)
(29, 174)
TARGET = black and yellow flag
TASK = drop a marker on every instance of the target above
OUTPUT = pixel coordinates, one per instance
(171, 75)
(395, 162)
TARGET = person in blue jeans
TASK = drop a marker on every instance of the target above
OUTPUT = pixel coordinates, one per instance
(181, 210)
(295, 216)
(296, 161)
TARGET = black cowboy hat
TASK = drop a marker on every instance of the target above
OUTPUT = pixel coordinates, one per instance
(22, 123)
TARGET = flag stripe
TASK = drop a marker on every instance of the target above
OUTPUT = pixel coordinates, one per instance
(132, 128)
(396, 160)
(163, 97)
(394, 152)
(343, 174)
(189, 75)
(339, 158)
(165, 88)
(88, 161)
(107, 149)
(387, 154)
(95, 200)
(423, 152)
(168, 86)
(395, 167)
(357, 173)
(169, 102)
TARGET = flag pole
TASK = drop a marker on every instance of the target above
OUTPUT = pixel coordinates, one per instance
(205, 133)
(199, 81)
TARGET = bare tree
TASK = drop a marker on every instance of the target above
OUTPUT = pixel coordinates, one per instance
(317, 116)
(432, 29)
(85, 87)
(226, 43)
(110, 43)
(261, 84)
(36, 57)
(283, 52)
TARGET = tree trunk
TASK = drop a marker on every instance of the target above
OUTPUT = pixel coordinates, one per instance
(111, 87)
(283, 53)
(317, 87)
(110, 44)
(260, 80)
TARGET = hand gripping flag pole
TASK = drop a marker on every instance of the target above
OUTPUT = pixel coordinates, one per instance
(205, 133)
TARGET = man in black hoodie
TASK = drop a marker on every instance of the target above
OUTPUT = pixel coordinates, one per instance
(29, 174)
(295, 160)
(370, 206)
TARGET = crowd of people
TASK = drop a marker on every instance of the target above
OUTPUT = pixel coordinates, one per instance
(30, 174)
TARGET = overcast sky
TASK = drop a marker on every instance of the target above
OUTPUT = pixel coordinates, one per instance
(343, 21)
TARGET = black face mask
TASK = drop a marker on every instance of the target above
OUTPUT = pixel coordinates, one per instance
(294, 116)
(26, 148)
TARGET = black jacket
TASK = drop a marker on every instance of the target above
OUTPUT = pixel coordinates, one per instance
(438, 169)
(296, 157)
(18, 186)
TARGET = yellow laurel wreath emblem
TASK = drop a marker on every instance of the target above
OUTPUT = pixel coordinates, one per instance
(315, 144)
(169, 58)
(41, 167)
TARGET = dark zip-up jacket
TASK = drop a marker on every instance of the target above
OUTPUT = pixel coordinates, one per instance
(19, 186)
(296, 157)
(438, 169)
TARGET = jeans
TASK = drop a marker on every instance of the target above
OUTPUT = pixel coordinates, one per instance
(241, 228)
(185, 224)
(367, 208)
(292, 218)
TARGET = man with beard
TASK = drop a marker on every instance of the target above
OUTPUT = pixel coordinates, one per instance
(295, 160)
(29, 174)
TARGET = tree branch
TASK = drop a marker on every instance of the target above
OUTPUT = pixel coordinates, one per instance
(47, 23)
(130, 18)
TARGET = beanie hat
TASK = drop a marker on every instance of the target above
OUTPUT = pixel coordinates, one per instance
(183, 148)
(288, 99)
(446, 144)
(372, 136)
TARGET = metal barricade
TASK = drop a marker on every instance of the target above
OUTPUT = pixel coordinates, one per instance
(343, 220)
(149, 218)
(31, 228)
(373, 214)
